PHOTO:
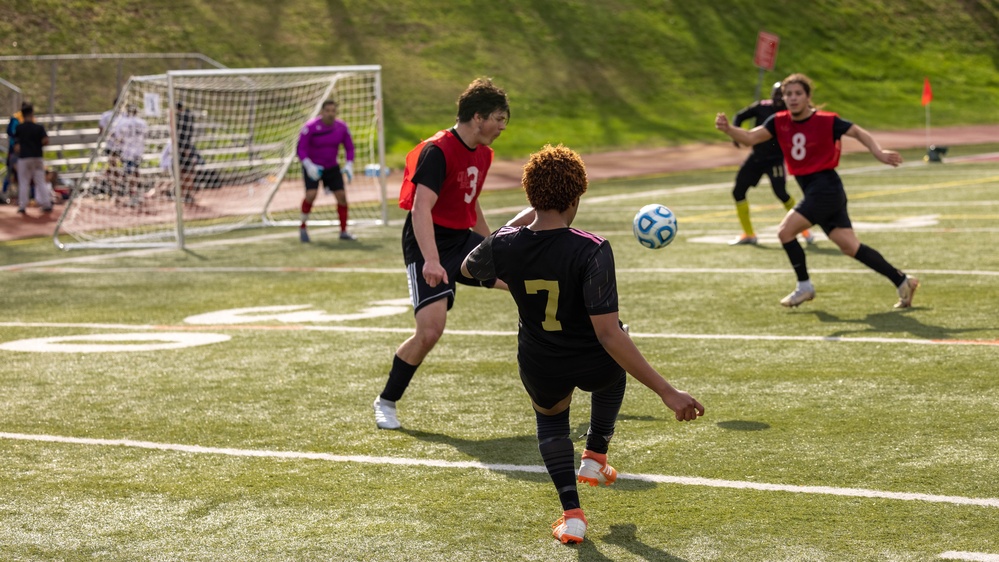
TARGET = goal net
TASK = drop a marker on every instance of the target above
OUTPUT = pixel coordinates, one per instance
(237, 133)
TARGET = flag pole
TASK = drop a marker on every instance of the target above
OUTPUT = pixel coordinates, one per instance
(931, 155)
(927, 127)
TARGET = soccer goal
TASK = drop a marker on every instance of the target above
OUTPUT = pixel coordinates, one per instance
(236, 131)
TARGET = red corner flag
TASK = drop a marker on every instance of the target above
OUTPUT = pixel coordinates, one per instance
(927, 91)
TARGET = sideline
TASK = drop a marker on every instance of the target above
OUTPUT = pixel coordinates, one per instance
(396, 461)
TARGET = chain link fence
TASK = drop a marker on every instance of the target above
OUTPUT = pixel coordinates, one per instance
(66, 84)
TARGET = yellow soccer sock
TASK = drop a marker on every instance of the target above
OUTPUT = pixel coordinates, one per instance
(742, 209)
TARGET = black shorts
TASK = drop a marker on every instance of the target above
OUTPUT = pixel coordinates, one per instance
(824, 202)
(546, 391)
(452, 253)
(331, 178)
(754, 168)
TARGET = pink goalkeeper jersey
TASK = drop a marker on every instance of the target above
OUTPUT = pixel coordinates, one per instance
(320, 142)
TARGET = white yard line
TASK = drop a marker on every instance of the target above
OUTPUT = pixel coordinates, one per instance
(400, 461)
(483, 333)
(400, 271)
(969, 556)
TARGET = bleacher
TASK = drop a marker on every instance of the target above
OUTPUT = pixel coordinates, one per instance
(73, 138)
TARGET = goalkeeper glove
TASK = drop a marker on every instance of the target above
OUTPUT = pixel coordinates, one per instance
(348, 170)
(314, 172)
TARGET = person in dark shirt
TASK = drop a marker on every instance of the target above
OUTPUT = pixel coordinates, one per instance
(189, 157)
(564, 284)
(767, 159)
(29, 143)
(10, 179)
(810, 140)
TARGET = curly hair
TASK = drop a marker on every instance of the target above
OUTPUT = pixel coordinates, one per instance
(481, 97)
(553, 178)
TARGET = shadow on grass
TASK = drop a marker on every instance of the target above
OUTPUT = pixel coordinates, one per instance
(743, 425)
(626, 537)
(333, 242)
(195, 255)
(519, 450)
(894, 321)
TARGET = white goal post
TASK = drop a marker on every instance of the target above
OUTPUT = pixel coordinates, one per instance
(237, 133)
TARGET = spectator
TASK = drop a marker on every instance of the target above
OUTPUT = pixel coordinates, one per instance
(11, 177)
(111, 149)
(189, 158)
(30, 140)
(105, 119)
(130, 135)
(57, 186)
(319, 144)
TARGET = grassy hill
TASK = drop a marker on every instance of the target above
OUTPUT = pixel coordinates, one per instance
(595, 75)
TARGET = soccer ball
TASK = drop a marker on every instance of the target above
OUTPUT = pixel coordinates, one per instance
(654, 226)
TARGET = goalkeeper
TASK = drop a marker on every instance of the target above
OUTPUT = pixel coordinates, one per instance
(318, 146)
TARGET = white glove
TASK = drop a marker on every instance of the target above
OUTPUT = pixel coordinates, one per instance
(348, 170)
(314, 172)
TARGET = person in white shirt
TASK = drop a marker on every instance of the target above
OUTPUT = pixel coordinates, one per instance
(129, 134)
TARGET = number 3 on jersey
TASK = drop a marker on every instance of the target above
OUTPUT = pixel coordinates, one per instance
(473, 183)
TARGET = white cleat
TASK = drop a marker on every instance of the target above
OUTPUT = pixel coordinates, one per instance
(906, 291)
(385, 416)
(571, 527)
(743, 240)
(797, 297)
(594, 473)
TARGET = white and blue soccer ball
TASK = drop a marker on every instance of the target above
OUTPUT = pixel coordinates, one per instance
(654, 226)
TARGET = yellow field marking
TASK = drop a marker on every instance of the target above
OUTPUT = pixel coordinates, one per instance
(927, 187)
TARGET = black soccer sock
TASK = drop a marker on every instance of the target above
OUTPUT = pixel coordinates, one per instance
(797, 256)
(557, 452)
(874, 260)
(398, 380)
(604, 407)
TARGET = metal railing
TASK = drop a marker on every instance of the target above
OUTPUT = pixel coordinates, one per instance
(78, 83)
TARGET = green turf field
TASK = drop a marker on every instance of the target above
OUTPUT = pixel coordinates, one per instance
(843, 430)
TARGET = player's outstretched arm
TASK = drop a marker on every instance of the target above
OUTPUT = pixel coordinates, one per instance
(751, 137)
(889, 157)
(619, 345)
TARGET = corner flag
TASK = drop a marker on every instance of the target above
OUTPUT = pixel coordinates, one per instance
(927, 91)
